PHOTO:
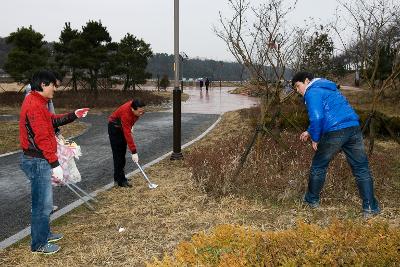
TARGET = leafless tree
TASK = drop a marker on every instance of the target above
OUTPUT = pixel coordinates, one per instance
(373, 24)
(261, 40)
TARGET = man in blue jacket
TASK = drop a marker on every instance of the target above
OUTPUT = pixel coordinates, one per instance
(334, 127)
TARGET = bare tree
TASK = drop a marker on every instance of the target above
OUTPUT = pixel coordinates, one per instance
(373, 24)
(261, 40)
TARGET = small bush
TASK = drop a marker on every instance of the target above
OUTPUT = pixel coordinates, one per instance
(164, 82)
(340, 244)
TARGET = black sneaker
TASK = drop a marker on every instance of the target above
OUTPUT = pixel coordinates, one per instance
(47, 249)
(124, 184)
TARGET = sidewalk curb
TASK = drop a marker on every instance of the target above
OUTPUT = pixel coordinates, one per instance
(25, 232)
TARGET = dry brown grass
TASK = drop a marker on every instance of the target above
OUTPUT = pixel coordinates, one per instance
(9, 134)
(11, 103)
(11, 87)
(362, 100)
(155, 221)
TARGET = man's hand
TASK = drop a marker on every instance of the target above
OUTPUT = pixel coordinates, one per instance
(58, 174)
(135, 158)
(304, 136)
(314, 145)
(82, 112)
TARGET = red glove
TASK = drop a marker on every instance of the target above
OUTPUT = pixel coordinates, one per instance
(82, 112)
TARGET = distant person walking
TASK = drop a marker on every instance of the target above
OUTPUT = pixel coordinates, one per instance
(334, 127)
(207, 83)
(201, 84)
(120, 125)
(39, 159)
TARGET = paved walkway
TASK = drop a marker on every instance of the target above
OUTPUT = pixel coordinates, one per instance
(153, 135)
(215, 101)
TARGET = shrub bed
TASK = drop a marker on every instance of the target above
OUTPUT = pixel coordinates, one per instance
(340, 244)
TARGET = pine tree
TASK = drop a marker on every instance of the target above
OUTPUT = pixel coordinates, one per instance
(67, 55)
(28, 54)
(134, 54)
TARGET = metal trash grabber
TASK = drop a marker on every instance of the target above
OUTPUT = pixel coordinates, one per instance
(84, 192)
(81, 197)
(151, 185)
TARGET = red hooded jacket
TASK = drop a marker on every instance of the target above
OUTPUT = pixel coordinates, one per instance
(36, 128)
(124, 117)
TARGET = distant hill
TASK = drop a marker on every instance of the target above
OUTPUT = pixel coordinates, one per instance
(162, 64)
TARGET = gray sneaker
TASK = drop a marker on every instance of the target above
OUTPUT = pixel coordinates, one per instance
(311, 205)
(47, 249)
(367, 214)
(55, 237)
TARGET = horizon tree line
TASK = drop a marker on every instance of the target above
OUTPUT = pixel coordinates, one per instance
(88, 55)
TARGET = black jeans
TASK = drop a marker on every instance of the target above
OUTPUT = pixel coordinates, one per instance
(118, 146)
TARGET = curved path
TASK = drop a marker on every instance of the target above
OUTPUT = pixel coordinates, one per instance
(153, 136)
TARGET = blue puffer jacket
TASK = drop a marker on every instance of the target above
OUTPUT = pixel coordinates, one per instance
(328, 109)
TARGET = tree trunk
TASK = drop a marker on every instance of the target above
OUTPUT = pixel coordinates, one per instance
(74, 82)
(94, 81)
(126, 83)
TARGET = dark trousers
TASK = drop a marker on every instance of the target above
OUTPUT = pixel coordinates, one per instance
(350, 141)
(118, 146)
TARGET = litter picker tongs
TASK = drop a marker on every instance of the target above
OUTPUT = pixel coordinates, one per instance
(151, 185)
(83, 195)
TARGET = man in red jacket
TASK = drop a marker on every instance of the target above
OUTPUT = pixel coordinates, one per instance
(39, 159)
(120, 125)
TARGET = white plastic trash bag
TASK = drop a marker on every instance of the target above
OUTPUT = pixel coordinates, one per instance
(67, 152)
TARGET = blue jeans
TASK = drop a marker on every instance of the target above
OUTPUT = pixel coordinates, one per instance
(39, 173)
(349, 140)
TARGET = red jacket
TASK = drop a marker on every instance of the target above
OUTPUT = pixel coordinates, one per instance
(124, 117)
(36, 128)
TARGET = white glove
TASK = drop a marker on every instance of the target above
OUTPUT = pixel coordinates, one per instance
(58, 174)
(304, 136)
(82, 112)
(135, 158)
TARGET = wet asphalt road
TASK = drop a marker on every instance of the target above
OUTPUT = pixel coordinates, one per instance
(153, 137)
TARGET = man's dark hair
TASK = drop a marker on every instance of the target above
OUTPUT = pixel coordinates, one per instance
(43, 76)
(57, 75)
(301, 77)
(137, 103)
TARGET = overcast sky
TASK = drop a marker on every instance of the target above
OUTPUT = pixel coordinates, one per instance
(151, 20)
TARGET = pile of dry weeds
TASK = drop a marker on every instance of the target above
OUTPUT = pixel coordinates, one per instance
(278, 175)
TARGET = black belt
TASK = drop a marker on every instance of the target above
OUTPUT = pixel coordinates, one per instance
(116, 124)
(34, 153)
